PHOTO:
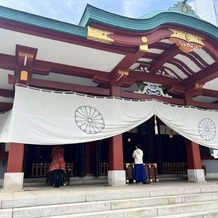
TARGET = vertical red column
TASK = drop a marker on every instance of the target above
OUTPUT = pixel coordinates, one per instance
(195, 171)
(193, 155)
(193, 151)
(15, 158)
(116, 153)
(116, 142)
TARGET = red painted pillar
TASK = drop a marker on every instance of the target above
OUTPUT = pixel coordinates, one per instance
(116, 142)
(15, 158)
(193, 150)
(193, 155)
(116, 153)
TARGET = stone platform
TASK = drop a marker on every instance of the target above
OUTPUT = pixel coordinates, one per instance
(170, 199)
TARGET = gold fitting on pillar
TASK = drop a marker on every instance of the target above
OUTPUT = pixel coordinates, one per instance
(23, 75)
(143, 48)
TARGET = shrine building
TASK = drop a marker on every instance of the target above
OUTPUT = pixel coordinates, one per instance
(101, 87)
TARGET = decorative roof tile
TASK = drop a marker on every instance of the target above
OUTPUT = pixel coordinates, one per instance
(42, 22)
(95, 15)
(147, 22)
(182, 7)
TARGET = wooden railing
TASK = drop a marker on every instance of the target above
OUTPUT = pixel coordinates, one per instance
(175, 168)
(104, 167)
(41, 169)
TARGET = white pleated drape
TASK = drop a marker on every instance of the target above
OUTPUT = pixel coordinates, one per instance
(48, 118)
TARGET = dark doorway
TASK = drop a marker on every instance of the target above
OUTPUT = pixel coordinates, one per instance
(78, 154)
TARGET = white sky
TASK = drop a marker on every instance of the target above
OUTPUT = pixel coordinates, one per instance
(71, 10)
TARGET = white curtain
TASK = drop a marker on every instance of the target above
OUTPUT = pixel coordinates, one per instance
(48, 118)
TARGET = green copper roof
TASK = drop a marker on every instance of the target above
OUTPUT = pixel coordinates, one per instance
(93, 14)
(42, 22)
(149, 22)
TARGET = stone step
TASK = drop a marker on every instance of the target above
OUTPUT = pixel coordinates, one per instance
(166, 205)
(103, 201)
(119, 199)
(206, 214)
(194, 210)
(201, 214)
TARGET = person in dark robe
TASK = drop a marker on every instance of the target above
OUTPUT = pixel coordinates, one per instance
(58, 166)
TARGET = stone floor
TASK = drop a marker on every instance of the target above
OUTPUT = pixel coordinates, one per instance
(48, 191)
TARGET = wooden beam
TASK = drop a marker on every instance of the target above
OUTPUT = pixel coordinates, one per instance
(5, 106)
(203, 76)
(139, 77)
(129, 60)
(182, 66)
(211, 47)
(209, 93)
(176, 101)
(205, 105)
(6, 93)
(194, 90)
(137, 96)
(163, 58)
(60, 86)
(118, 77)
(8, 62)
